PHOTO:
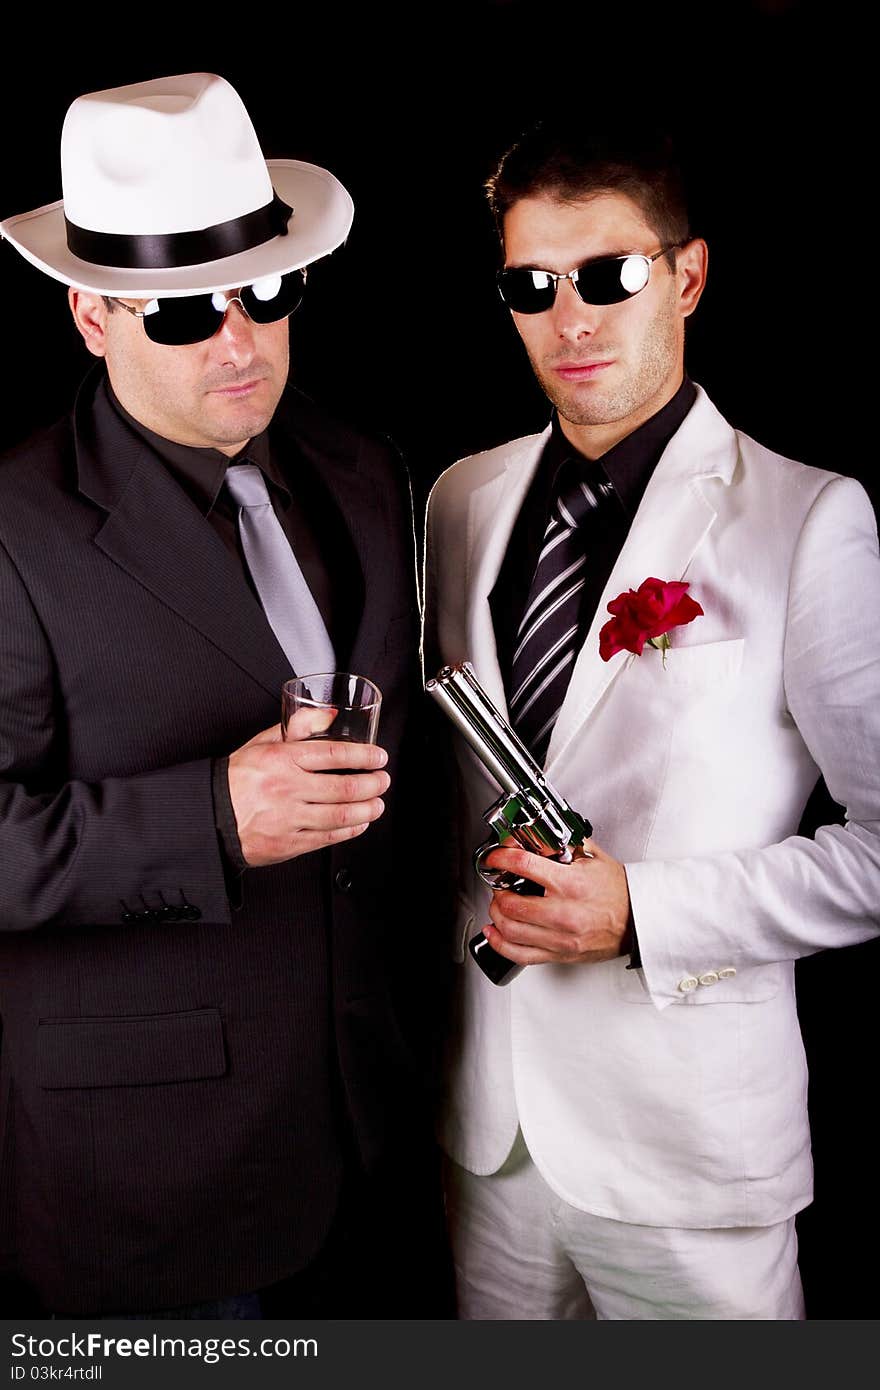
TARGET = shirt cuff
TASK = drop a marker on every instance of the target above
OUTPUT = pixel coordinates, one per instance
(234, 862)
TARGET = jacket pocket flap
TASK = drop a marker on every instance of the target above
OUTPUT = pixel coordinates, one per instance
(138, 1051)
(702, 665)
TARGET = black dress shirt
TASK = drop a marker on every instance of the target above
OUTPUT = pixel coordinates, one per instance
(628, 467)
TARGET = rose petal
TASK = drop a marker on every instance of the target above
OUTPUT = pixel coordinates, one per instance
(684, 612)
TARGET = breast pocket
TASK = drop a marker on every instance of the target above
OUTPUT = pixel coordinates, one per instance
(704, 666)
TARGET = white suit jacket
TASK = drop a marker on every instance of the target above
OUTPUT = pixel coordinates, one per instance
(676, 1095)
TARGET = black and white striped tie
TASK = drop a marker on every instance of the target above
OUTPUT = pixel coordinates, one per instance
(547, 638)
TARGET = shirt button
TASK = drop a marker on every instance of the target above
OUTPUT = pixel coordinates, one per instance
(727, 973)
(343, 881)
(688, 983)
(711, 977)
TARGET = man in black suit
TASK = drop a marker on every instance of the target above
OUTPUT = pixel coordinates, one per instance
(211, 1099)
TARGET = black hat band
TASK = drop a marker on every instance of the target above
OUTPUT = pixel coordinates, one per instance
(171, 250)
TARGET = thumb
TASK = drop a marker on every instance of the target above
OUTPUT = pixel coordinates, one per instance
(306, 723)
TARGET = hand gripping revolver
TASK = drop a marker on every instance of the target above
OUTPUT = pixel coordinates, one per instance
(530, 810)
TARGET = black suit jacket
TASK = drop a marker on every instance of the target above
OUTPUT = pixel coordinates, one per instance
(177, 1095)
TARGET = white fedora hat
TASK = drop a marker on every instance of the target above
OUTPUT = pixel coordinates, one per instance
(166, 192)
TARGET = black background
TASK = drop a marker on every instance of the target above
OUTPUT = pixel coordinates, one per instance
(402, 329)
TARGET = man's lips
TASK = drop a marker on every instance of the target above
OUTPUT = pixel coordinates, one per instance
(241, 388)
(580, 371)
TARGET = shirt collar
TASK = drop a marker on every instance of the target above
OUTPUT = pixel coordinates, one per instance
(200, 472)
(630, 463)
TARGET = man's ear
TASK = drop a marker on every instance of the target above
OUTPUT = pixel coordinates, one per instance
(90, 316)
(691, 264)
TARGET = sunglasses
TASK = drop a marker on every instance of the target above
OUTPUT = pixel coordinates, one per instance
(610, 280)
(194, 318)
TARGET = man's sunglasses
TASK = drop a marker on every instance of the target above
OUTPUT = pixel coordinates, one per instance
(193, 318)
(609, 280)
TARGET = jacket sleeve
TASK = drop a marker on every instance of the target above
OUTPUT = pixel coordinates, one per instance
(88, 852)
(735, 910)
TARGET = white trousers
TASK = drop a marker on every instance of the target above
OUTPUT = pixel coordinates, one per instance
(521, 1252)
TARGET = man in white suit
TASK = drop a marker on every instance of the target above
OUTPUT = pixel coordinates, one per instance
(627, 1122)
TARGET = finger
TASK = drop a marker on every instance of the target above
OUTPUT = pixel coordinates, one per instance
(532, 866)
(522, 955)
(339, 815)
(320, 787)
(325, 755)
(547, 936)
(524, 907)
(306, 723)
(309, 840)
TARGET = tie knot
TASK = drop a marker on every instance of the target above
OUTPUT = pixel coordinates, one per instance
(246, 485)
(581, 493)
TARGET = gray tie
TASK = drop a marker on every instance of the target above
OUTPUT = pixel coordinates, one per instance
(287, 600)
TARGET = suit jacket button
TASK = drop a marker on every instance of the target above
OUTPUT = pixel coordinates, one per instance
(343, 881)
(727, 973)
(129, 916)
(688, 983)
(190, 913)
(711, 977)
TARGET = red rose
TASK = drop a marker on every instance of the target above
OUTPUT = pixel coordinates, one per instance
(644, 614)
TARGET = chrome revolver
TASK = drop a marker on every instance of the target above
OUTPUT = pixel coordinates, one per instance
(530, 810)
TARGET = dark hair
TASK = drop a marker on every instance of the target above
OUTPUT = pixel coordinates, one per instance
(109, 303)
(571, 159)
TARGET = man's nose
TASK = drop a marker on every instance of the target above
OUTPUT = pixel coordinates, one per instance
(234, 338)
(572, 318)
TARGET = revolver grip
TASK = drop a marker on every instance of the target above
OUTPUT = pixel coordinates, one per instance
(494, 966)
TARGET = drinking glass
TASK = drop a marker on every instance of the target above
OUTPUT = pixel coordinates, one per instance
(353, 701)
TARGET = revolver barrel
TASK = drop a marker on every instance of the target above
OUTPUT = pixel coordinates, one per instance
(503, 753)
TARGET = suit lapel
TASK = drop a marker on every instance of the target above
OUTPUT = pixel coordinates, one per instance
(673, 519)
(492, 512)
(159, 537)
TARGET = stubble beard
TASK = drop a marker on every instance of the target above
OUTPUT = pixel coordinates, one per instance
(221, 431)
(253, 420)
(597, 404)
